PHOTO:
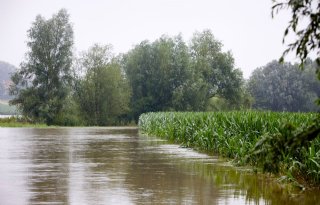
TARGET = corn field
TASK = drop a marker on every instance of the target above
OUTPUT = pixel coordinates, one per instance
(234, 135)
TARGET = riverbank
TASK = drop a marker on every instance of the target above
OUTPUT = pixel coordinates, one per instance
(13, 121)
(235, 134)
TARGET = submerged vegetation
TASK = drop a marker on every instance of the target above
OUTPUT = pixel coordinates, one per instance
(235, 135)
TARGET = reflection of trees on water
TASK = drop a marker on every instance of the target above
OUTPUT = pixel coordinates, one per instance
(255, 188)
(206, 183)
(157, 178)
(126, 163)
(106, 156)
(131, 164)
(49, 170)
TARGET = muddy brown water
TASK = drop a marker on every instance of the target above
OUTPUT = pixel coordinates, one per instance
(120, 166)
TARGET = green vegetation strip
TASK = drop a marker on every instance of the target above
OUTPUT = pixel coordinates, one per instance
(18, 122)
(235, 134)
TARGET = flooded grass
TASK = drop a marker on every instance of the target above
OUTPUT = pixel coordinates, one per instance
(234, 134)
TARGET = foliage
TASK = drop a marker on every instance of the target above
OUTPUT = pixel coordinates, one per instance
(235, 134)
(154, 71)
(297, 146)
(215, 67)
(269, 150)
(166, 74)
(70, 114)
(284, 87)
(18, 122)
(169, 75)
(102, 93)
(305, 24)
(42, 83)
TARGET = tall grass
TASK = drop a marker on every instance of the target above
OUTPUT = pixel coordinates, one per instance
(234, 135)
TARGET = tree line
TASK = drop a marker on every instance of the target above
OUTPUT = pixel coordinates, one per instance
(168, 74)
(285, 87)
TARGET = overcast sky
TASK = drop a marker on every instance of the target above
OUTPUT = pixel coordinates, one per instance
(244, 27)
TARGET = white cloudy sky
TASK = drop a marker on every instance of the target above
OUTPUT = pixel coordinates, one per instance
(245, 27)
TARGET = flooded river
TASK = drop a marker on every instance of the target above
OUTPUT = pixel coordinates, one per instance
(119, 166)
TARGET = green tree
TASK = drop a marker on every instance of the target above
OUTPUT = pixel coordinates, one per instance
(215, 68)
(155, 70)
(102, 93)
(284, 87)
(42, 83)
(169, 75)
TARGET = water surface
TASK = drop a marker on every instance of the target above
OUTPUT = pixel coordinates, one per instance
(119, 166)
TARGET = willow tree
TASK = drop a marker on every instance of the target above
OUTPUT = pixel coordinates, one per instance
(169, 75)
(215, 69)
(103, 92)
(155, 71)
(41, 85)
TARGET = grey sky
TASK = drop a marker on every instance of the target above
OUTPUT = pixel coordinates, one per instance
(245, 27)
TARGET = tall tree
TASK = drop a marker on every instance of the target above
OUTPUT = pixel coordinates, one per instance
(215, 68)
(103, 92)
(155, 70)
(42, 83)
(169, 75)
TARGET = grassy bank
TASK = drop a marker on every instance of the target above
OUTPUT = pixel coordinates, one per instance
(234, 134)
(18, 122)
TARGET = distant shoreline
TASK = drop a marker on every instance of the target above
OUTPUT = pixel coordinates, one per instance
(6, 116)
(7, 110)
(5, 102)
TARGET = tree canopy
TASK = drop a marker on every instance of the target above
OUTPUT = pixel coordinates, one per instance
(42, 83)
(103, 92)
(167, 74)
(284, 87)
